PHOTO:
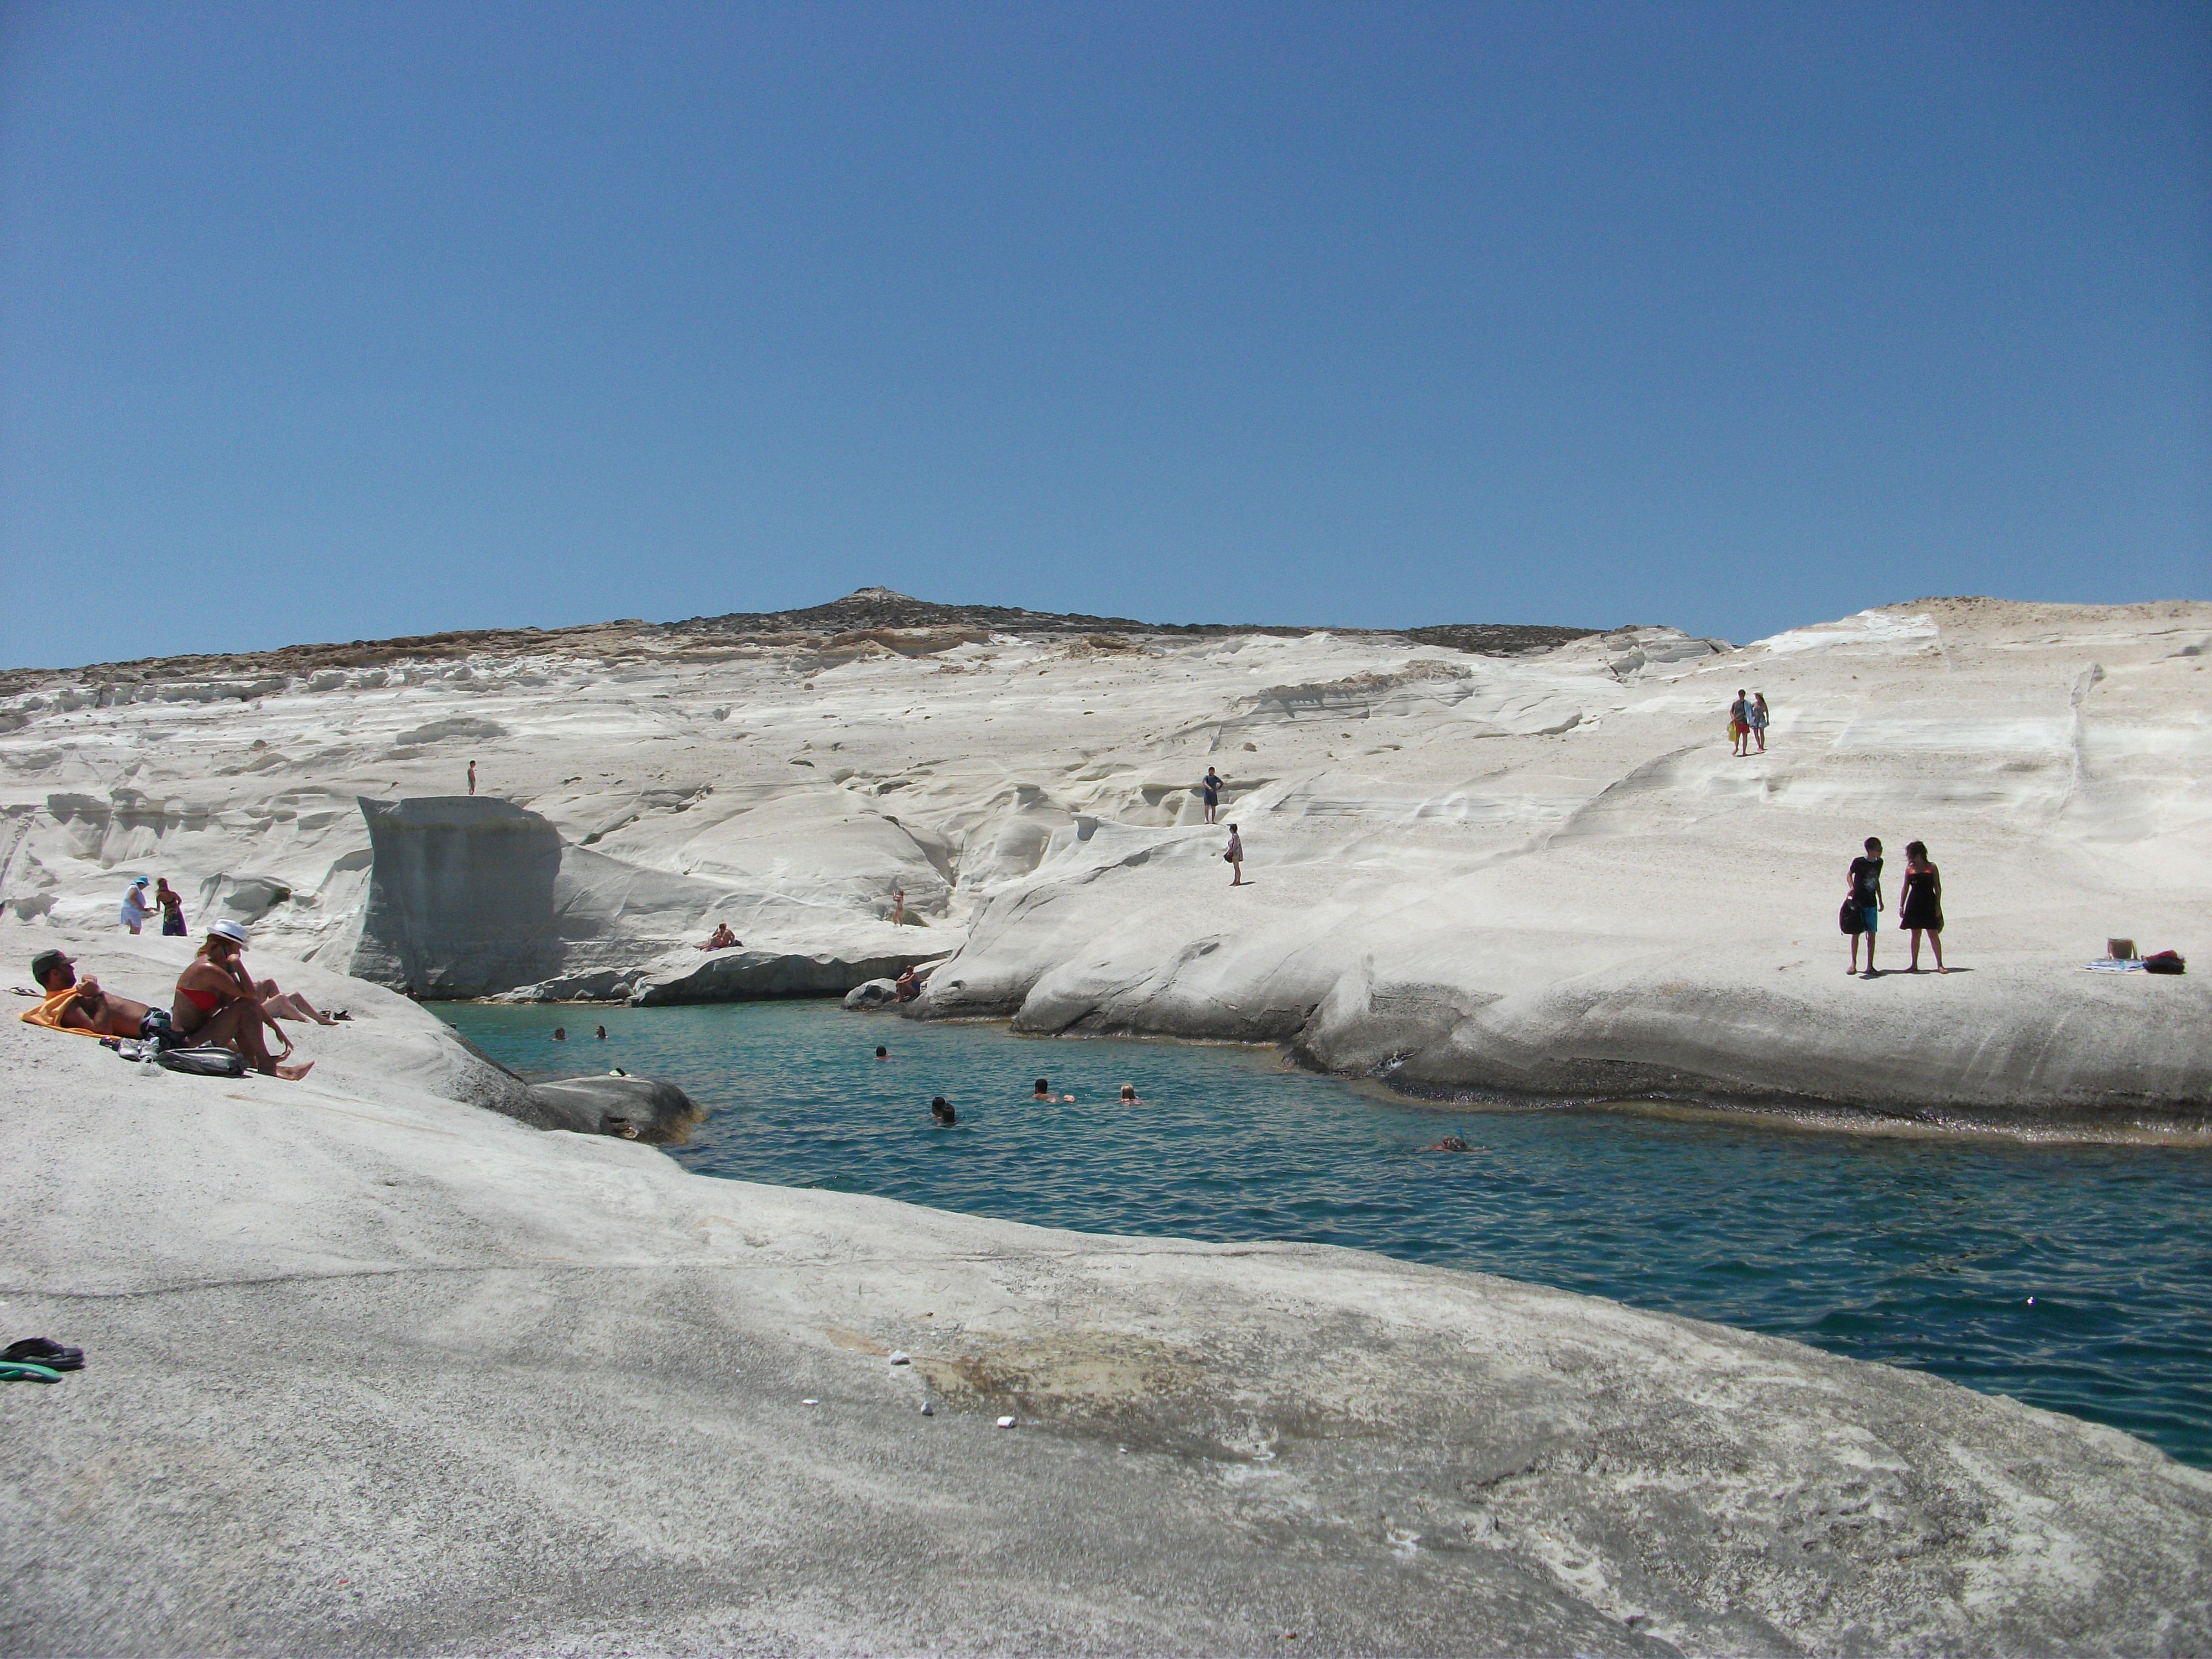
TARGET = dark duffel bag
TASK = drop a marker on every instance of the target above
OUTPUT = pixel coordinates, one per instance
(208, 1059)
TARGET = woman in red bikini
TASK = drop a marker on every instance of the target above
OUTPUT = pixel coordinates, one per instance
(217, 1003)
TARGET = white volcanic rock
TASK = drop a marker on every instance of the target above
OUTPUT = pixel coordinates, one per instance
(1542, 873)
(368, 1370)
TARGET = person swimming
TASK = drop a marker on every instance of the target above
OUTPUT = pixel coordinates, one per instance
(882, 1053)
(941, 1112)
(1448, 1144)
(560, 1034)
(1129, 1096)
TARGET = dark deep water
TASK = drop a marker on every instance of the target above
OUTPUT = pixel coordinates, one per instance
(1918, 1252)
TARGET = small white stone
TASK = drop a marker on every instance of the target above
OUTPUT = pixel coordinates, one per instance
(810, 1402)
(898, 1356)
(1006, 1422)
(928, 1410)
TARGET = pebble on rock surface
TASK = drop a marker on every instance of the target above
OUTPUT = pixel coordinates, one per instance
(899, 1357)
(1006, 1422)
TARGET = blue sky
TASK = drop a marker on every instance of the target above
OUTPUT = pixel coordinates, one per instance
(337, 321)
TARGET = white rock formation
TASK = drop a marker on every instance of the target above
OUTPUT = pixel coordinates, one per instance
(366, 1368)
(1541, 874)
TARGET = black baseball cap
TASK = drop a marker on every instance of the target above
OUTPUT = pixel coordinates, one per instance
(45, 963)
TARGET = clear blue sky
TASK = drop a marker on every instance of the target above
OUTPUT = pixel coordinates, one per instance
(331, 321)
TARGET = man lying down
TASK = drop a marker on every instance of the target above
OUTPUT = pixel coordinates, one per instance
(90, 1008)
(216, 1002)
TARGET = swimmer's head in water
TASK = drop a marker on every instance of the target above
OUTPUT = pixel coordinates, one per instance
(1043, 1087)
(1129, 1092)
(941, 1109)
(560, 1034)
(882, 1053)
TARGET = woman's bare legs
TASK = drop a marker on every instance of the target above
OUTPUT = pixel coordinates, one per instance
(238, 1025)
(290, 1005)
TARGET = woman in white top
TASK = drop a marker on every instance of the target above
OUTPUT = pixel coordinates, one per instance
(1235, 856)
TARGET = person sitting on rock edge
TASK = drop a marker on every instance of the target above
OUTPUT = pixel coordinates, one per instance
(92, 1009)
(909, 986)
(218, 1003)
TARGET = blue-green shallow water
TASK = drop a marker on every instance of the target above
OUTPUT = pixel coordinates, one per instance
(1917, 1252)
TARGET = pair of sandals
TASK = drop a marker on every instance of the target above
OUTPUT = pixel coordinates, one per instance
(35, 1359)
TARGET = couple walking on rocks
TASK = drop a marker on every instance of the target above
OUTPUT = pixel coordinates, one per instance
(1920, 906)
(1210, 787)
(1747, 719)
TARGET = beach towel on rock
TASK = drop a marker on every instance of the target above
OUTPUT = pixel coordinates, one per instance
(49, 1014)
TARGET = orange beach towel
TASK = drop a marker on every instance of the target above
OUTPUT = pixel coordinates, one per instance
(49, 1014)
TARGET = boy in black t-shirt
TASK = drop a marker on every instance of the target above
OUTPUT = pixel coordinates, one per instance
(1862, 903)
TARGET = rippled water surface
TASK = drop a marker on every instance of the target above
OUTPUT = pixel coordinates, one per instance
(1917, 1252)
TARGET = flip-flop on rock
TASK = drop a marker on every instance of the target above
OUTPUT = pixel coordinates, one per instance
(38, 1351)
(18, 1371)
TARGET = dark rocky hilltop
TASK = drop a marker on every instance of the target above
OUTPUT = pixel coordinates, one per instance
(861, 611)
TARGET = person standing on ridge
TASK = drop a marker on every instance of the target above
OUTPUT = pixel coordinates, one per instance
(1209, 785)
(1758, 718)
(1739, 724)
(1920, 904)
(1236, 857)
(473, 777)
(1862, 908)
(172, 908)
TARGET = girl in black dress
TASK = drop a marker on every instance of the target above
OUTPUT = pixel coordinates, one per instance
(1920, 905)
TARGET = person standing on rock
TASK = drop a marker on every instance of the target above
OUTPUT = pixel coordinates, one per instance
(1739, 724)
(1758, 718)
(1236, 857)
(1920, 904)
(1210, 786)
(134, 912)
(473, 777)
(1862, 908)
(172, 908)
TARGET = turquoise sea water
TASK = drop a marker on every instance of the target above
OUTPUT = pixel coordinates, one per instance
(1917, 1252)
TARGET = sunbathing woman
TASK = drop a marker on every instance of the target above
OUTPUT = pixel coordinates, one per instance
(217, 1003)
